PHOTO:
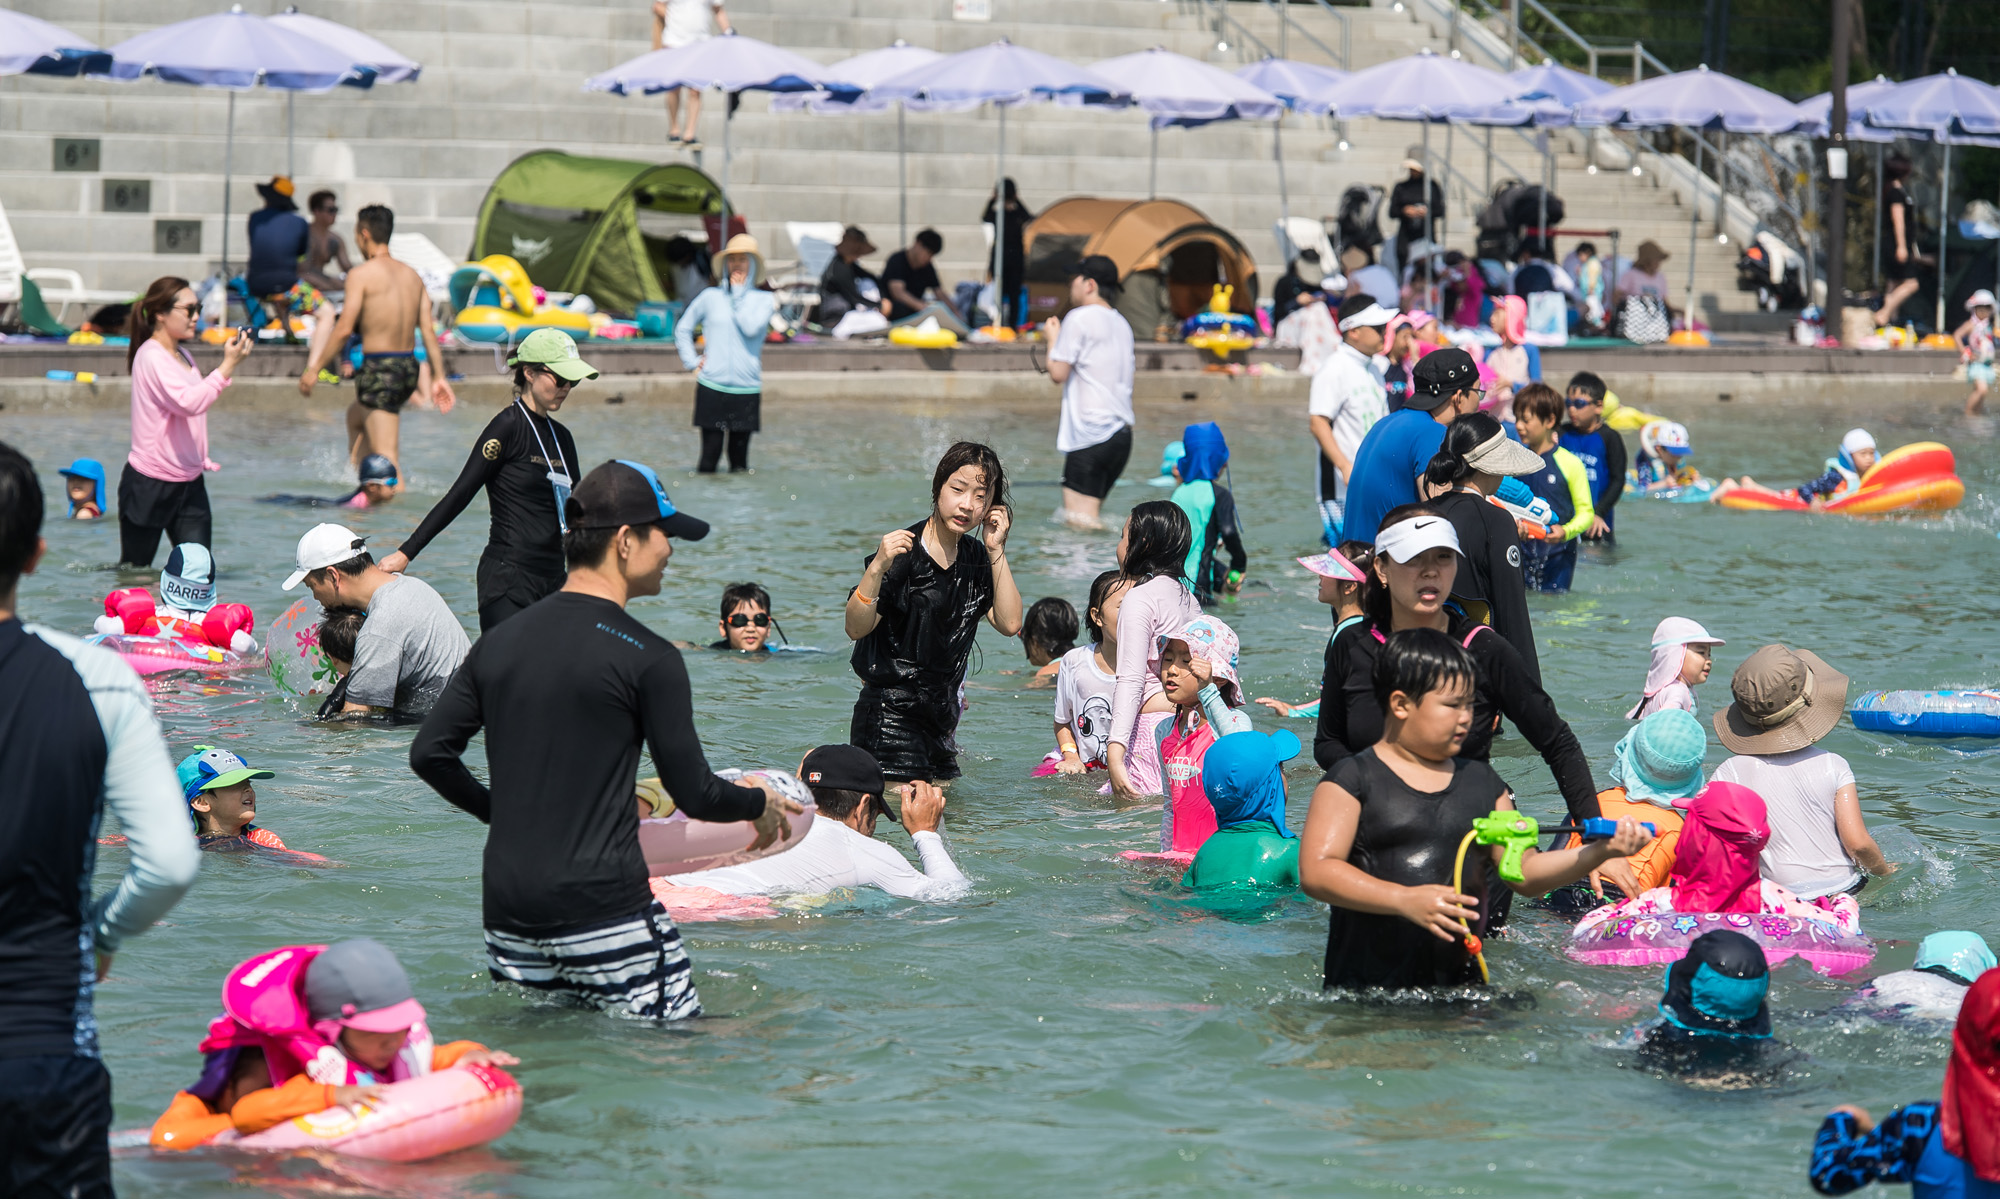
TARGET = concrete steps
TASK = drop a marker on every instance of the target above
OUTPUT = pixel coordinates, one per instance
(502, 79)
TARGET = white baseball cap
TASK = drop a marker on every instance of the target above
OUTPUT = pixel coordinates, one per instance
(324, 546)
(1406, 539)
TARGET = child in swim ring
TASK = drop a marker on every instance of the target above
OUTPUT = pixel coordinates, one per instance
(1383, 837)
(1843, 474)
(84, 480)
(1661, 464)
(1085, 678)
(1244, 778)
(1975, 348)
(1198, 675)
(1683, 656)
(187, 606)
(345, 1021)
(216, 785)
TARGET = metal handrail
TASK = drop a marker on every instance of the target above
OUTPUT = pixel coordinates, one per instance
(1285, 22)
(1346, 34)
(1219, 12)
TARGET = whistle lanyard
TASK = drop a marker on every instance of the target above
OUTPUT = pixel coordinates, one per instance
(559, 480)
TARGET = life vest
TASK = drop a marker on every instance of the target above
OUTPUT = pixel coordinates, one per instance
(263, 1004)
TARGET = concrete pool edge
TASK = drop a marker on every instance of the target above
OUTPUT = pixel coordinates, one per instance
(916, 388)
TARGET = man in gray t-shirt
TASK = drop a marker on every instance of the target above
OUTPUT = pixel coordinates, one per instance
(410, 643)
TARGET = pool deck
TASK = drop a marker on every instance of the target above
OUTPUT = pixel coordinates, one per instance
(1735, 369)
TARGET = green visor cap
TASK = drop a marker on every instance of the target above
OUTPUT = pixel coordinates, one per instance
(552, 349)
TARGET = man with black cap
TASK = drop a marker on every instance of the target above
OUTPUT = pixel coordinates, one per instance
(1091, 359)
(566, 691)
(1444, 387)
(1348, 396)
(840, 850)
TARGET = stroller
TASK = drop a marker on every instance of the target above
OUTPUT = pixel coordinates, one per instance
(1360, 219)
(1774, 271)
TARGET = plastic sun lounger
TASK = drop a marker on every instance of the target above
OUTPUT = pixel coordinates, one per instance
(433, 265)
(13, 269)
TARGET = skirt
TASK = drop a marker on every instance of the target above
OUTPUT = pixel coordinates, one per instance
(727, 410)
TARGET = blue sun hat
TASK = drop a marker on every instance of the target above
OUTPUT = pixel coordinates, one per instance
(1243, 774)
(1169, 459)
(1659, 761)
(1953, 954)
(86, 468)
(208, 768)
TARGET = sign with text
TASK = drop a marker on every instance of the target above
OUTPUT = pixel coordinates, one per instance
(972, 10)
(128, 195)
(76, 154)
(176, 237)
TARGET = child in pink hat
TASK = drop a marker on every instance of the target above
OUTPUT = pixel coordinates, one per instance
(1683, 654)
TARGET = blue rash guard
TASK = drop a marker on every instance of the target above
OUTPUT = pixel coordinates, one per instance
(1907, 1146)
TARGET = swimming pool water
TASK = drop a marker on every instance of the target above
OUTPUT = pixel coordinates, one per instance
(1072, 1025)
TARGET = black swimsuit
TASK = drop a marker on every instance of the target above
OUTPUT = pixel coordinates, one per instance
(1408, 837)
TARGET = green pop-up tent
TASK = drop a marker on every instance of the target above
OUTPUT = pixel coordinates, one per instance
(593, 225)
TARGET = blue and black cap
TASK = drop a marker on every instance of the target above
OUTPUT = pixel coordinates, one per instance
(624, 492)
(1719, 988)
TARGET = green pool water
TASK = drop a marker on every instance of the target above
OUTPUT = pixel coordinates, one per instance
(1071, 1026)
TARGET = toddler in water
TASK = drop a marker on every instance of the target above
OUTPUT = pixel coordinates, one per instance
(304, 1029)
(1085, 677)
(1382, 838)
(338, 631)
(1843, 473)
(1714, 1017)
(1048, 631)
(84, 479)
(186, 607)
(1932, 989)
(1975, 341)
(1683, 655)
(220, 799)
(1342, 574)
(1198, 675)
(1244, 777)
(1662, 461)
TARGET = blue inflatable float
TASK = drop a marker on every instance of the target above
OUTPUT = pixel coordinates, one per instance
(1929, 713)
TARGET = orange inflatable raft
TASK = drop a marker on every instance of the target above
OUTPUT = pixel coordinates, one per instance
(1921, 477)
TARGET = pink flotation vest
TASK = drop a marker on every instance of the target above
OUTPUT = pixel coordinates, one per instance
(1190, 817)
(140, 614)
(263, 1004)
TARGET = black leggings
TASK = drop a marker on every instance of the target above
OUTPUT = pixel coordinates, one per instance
(149, 507)
(711, 449)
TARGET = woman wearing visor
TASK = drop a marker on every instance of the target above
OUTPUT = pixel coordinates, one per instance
(527, 464)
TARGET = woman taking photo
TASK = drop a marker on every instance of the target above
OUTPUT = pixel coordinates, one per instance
(527, 463)
(916, 612)
(161, 489)
(1152, 552)
(1476, 456)
(734, 317)
(1416, 564)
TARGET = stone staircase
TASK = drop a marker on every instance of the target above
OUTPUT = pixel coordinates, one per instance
(502, 78)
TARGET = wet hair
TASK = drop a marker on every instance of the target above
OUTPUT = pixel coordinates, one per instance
(1541, 400)
(1417, 662)
(1156, 542)
(1051, 624)
(1100, 591)
(348, 569)
(971, 453)
(1448, 467)
(930, 240)
(1896, 167)
(146, 314)
(338, 631)
(839, 803)
(1587, 383)
(743, 593)
(378, 222)
(20, 515)
(1375, 603)
(318, 198)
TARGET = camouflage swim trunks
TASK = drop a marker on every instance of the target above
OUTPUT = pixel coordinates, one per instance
(385, 382)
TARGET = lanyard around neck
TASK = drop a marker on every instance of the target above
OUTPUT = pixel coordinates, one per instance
(538, 437)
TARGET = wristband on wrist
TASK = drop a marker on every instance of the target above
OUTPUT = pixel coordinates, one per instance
(865, 601)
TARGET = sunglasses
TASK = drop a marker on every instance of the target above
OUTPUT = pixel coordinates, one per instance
(1582, 401)
(739, 620)
(190, 309)
(559, 380)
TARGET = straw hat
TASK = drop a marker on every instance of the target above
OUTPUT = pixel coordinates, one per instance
(742, 243)
(1784, 700)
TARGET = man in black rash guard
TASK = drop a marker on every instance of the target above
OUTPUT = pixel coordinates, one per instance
(565, 691)
(527, 463)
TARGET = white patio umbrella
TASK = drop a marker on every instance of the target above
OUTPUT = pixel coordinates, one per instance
(1180, 91)
(865, 71)
(389, 65)
(1005, 76)
(237, 51)
(32, 46)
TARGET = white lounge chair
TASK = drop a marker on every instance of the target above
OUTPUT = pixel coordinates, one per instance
(432, 265)
(797, 284)
(72, 291)
(1302, 233)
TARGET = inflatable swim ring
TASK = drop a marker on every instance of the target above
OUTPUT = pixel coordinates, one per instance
(1696, 493)
(674, 844)
(1920, 477)
(162, 653)
(412, 1120)
(923, 339)
(1665, 937)
(492, 300)
(1929, 713)
(298, 665)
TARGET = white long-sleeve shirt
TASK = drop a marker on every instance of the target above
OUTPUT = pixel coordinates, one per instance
(832, 855)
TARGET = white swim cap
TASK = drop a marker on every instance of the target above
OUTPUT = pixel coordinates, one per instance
(1857, 440)
(1671, 435)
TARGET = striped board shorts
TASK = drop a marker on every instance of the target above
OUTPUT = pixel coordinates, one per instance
(631, 967)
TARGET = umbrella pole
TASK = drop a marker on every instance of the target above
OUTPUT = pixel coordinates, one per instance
(1694, 228)
(1153, 168)
(728, 119)
(902, 180)
(290, 166)
(1944, 234)
(228, 169)
(1278, 156)
(999, 219)
(1875, 271)
(1430, 229)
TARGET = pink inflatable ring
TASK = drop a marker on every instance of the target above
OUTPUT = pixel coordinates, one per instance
(413, 1120)
(1665, 937)
(674, 844)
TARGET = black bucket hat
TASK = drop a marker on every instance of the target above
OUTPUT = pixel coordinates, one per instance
(1719, 988)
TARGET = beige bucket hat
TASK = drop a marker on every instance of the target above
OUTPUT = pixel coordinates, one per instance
(1785, 700)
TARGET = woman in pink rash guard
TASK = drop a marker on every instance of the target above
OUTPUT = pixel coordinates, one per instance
(1151, 552)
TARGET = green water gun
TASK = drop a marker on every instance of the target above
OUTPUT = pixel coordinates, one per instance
(1519, 834)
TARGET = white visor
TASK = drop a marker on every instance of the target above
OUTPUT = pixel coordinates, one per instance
(1374, 314)
(1407, 539)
